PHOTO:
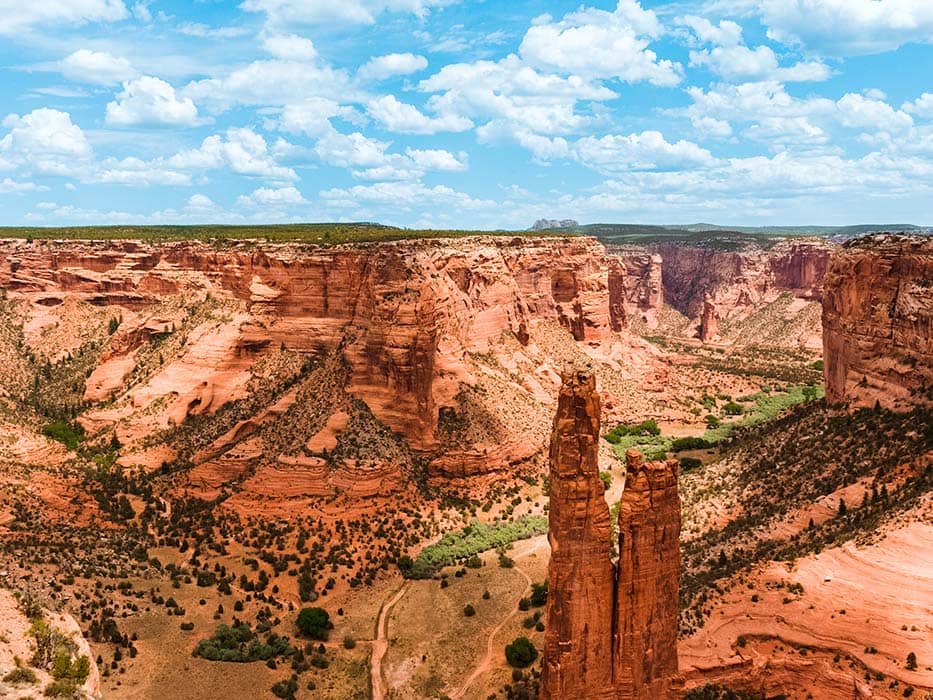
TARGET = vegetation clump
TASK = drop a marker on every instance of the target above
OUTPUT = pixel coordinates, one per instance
(240, 644)
(521, 653)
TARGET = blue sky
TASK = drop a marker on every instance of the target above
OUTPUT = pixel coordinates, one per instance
(466, 114)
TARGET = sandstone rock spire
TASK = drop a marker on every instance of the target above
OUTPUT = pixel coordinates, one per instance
(611, 629)
(578, 642)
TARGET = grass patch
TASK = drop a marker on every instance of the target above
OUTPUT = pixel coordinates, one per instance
(66, 433)
(471, 540)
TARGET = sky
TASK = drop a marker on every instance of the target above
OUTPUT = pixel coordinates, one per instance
(466, 113)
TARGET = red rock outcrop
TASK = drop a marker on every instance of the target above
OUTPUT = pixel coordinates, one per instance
(578, 651)
(709, 321)
(639, 285)
(878, 322)
(405, 316)
(611, 629)
(738, 282)
(648, 579)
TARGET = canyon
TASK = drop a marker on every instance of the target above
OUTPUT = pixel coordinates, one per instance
(314, 414)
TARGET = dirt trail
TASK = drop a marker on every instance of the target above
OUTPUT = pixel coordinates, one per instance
(381, 642)
(491, 650)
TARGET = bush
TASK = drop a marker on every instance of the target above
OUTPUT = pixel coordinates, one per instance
(286, 689)
(314, 622)
(733, 409)
(712, 421)
(240, 644)
(648, 428)
(538, 594)
(606, 478)
(521, 653)
(187, 626)
(20, 676)
(690, 463)
(349, 642)
(689, 443)
(911, 662)
(469, 611)
(66, 433)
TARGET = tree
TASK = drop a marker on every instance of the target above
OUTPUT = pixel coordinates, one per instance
(842, 506)
(911, 662)
(538, 594)
(314, 622)
(606, 478)
(521, 653)
(469, 611)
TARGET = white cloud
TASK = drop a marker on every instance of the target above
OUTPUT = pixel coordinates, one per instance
(241, 150)
(290, 47)
(848, 27)
(731, 59)
(9, 186)
(45, 141)
(404, 118)
(273, 82)
(310, 117)
(287, 12)
(645, 151)
(436, 159)
(265, 196)
(98, 67)
(598, 44)
(856, 111)
(922, 106)
(149, 100)
(204, 31)
(135, 172)
(382, 67)
(513, 92)
(18, 15)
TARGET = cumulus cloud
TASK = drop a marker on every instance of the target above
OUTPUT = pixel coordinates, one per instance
(599, 44)
(848, 27)
(10, 186)
(149, 100)
(265, 196)
(240, 149)
(18, 16)
(731, 59)
(98, 67)
(290, 47)
(922, 106)
(405, 195)
(382, 67)
(858, 111)
(45, 141)
(404, 118)
(645, 151)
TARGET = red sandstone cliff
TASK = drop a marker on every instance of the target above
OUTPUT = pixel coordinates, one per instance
(738, 282)
(878, 322)
(404, 316)
(611, 629)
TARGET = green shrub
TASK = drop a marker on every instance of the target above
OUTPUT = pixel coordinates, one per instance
(469, 611)
(689, 464)
(521, 653)
(643, 429)
(66, 433)
(474, 539)
(20, 676)
(539, 594)
(733, 409)
(689, 443)
(315, 623)
(606, 478)
(240, 644)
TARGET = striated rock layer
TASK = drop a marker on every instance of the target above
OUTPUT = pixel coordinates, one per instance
(878, 322)
(404, 316)
(611, 629)
(707, 283)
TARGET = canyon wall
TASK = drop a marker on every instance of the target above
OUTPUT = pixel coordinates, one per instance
(719, 280)
(611, 629)
(405, 318)
(878, 322)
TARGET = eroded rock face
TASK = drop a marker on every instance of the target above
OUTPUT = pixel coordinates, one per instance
(640, 289)
(709, 321)
(405, 317)
(878, 322)
(736, 279)
(611, 629)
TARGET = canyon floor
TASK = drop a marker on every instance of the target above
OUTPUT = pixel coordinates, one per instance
(158, 480)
